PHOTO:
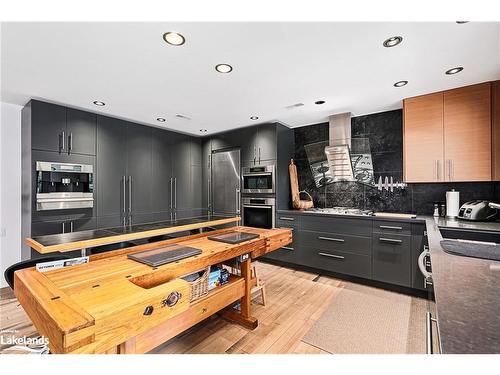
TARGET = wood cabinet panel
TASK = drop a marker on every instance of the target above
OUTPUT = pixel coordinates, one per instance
(467, 133)
(423, 138)
(495, 121)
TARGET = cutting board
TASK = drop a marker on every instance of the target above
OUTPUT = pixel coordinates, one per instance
(395, 215)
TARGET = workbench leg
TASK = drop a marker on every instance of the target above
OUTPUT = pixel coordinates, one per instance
(127, 347)
(246, 301)
(243, 316)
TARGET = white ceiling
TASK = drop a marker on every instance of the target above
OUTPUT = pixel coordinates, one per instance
(140, 77)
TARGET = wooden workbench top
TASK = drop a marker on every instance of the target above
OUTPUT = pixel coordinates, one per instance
(95, 306)
(90, 238)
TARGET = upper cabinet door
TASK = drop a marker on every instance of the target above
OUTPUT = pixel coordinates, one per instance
(266, 142)
(111, 167)
(81, 129)
(48, 127)
(139, 168)
(423, 138)
(467, 133)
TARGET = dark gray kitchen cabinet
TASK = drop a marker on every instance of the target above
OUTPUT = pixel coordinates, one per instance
(418, 241)
(266, 142)
(181, 172)
(139, 168)
(48, 127)
(392, 258)
(248, 143)
(81, 128)
(206, 147)
(111, 168)
(162, 170)
(43, 228)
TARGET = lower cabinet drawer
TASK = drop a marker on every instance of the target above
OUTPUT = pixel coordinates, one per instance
(337, 242)
(392, 259)
(336, 261)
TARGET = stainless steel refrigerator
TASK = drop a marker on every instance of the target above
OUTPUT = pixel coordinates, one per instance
(225, 184)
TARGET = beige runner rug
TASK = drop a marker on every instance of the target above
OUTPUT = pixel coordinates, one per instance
(365, 320)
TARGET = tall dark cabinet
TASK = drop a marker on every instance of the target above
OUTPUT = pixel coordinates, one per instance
(111, 171)
(141, 174)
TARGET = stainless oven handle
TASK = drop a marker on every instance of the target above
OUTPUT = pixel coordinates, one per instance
(257, 174)
(252, 206)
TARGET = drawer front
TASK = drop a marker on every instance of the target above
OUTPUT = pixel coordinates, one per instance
(392, 259)
(287, 253)
(336, 261)
(287, 224)
(357, 227)
(337, 242)
(287, 219)
(392, 227)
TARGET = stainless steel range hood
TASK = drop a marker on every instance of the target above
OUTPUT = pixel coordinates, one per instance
(338, 153)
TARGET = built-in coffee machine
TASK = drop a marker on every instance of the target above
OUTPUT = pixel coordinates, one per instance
(64, 186)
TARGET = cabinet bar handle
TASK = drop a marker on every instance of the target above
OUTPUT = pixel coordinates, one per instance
(390, 240)
(287, 218)
(449, 169)
(71, 226)
(287, 248)
(175, 193)
(331, 239)
(70, 142)
(62, 143)
(63, 228)
(171, 193)
(331, 256)
(390, 227)
(259, 155)
(428, 333)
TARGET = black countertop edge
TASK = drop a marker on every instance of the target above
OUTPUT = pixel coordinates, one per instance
(467, 293)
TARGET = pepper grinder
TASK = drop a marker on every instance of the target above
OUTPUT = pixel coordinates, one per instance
(436, 209)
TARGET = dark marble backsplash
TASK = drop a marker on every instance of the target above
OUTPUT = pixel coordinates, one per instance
(385, 132)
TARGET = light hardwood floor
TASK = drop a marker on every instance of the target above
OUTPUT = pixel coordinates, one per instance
(295, 301)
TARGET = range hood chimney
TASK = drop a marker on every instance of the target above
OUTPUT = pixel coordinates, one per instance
(339, 151)
(340, 129)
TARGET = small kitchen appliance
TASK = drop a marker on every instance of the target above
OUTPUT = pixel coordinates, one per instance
(477, 210)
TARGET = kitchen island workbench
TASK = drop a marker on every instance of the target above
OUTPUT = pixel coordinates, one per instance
(116, 305)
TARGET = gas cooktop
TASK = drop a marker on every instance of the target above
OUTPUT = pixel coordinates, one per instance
(341, 211)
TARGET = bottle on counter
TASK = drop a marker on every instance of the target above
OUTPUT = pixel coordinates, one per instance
(436, 209)
(442, 209)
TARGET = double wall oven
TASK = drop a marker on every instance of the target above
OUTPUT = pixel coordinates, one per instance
(258, 203)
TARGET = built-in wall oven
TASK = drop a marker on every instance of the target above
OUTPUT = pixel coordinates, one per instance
(258, 212)
(259, 179)
(64, 186)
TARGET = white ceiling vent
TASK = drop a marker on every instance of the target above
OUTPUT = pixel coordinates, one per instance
(294, 106)
(183, 117)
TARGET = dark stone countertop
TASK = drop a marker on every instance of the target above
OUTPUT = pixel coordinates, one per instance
(62, 238)
(418, 219)
(467, 293)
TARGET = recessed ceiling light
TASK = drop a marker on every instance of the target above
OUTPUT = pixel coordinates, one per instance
(161, 119)
(223, 68)
(393, 41)
(203, 130)
(400, 83)
(254, 118)
(461, 22)
(319, 102)
(99, 103)
(174, 38)
(456, 70)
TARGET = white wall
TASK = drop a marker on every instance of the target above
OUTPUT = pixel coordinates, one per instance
(10, 187)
